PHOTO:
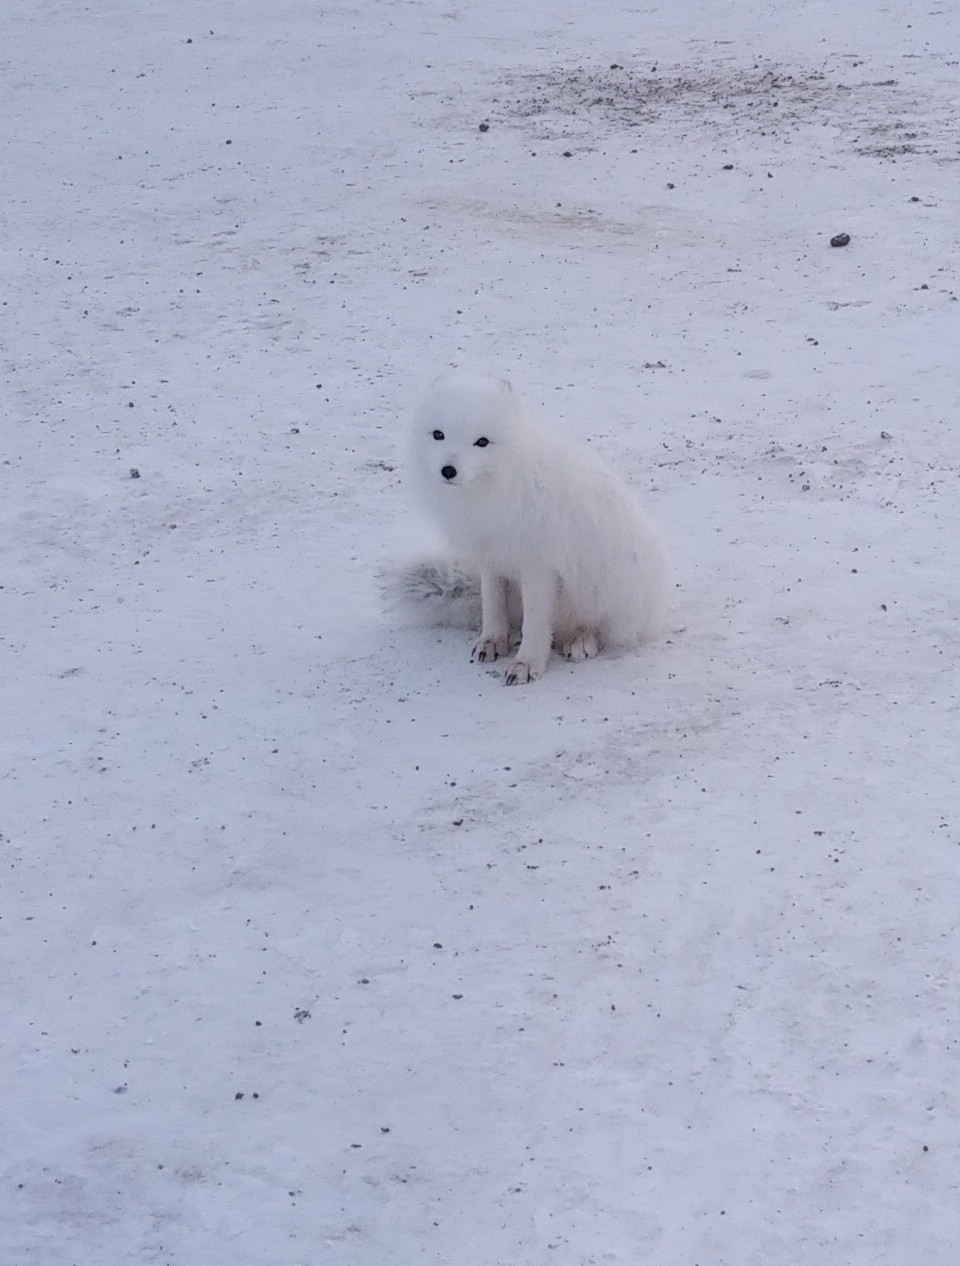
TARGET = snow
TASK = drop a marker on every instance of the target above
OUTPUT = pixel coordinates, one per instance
(320, 945)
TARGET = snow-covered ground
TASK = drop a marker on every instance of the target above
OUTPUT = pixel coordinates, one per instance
(320, 948)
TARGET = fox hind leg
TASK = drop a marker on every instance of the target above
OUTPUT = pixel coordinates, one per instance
(582, 644)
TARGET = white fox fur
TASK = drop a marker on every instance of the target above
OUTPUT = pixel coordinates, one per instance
(547, 527)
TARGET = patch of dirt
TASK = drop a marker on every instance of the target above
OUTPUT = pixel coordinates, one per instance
(874, 116)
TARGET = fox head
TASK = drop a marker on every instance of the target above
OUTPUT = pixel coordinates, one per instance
(461, 428)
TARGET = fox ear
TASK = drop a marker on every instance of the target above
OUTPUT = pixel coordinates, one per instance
(506, 386)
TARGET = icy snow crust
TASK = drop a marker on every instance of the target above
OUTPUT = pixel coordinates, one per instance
(320, 947)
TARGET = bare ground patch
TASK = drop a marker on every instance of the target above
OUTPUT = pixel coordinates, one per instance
(868, 115)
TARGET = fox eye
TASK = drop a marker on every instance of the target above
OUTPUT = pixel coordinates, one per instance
(482, 442)
(438, 435)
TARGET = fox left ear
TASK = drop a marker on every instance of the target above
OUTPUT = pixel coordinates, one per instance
(506, 385)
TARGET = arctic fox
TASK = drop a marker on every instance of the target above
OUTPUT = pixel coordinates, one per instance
(562, 549)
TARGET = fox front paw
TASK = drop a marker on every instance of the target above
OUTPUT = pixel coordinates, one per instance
(490, 648)
(522, 671)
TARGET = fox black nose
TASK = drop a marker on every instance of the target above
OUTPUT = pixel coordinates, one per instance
(449, 472)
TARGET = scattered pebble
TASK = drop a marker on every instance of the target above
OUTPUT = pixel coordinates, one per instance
(484, 127)
(840, 239)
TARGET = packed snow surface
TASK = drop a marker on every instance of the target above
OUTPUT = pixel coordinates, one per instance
(320, 947)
